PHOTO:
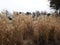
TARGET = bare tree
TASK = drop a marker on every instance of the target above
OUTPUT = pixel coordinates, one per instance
(37, 13)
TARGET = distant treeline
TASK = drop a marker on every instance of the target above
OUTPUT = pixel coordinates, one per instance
(34, 14)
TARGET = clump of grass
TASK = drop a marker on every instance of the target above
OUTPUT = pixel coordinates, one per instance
(35, 31)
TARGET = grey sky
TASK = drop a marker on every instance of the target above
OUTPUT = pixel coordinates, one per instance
(25, 5)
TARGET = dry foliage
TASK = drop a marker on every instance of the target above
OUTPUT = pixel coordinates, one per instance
(25, 30)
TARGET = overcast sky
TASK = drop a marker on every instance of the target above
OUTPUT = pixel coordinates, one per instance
(25, 5)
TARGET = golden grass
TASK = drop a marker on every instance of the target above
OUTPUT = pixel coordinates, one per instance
(24, 28)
